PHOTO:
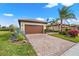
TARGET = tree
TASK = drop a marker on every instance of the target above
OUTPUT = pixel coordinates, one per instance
(54, 21)
(0, 26)
(47, 20)
(64, 14)
(4, 27)
(12, 28)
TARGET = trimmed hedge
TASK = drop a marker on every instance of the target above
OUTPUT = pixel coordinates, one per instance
(67, 29)
(4, 29)
(47, 30)
(63, 32)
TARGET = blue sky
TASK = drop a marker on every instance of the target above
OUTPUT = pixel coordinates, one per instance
(11, 12)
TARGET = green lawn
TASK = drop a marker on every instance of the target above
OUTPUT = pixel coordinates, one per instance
(7, 48)
(66, 37)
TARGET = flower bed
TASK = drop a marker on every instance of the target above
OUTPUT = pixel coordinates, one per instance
(73, 33)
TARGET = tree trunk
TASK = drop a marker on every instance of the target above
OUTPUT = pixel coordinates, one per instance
(61, 25)
(52, 27)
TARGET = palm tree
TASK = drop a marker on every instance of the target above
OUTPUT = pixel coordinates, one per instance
(64, 14)
(48, 21)
(53, 22)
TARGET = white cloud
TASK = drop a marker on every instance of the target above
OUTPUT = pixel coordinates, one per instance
(41, 19)
(50, 5)
(67, 4)
(8, 14)
(70, 21)
(74, 21)
(51, 18)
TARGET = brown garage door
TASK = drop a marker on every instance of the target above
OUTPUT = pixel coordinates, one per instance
(31, 29)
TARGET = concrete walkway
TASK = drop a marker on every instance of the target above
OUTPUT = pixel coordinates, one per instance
(74, 51)
(46, 45)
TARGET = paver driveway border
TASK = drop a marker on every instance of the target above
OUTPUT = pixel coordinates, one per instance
(46, 45)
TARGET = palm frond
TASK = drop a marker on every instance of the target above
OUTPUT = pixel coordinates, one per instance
(65, 13)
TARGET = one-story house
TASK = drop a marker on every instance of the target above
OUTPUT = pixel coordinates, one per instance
(31, 26)
(56, 27)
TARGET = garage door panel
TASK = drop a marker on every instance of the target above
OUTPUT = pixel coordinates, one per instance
(33, 29)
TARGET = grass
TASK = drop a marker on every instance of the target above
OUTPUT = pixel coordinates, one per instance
(7, 48)
(76, 39)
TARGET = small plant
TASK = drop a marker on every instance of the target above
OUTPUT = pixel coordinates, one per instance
(13, 37)
(73, 33)
(20, 37)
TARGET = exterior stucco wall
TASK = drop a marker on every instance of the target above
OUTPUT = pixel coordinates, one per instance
(22, 25)
(56, 28)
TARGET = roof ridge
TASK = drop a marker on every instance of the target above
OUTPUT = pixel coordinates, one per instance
(31, 20)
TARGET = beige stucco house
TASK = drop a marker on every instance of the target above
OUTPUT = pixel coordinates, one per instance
(56, 27)
(31, 26)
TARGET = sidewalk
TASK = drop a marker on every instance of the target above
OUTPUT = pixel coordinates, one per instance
(74, 51)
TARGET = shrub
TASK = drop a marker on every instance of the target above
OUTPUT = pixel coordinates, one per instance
(73, 33)
(20, 37)
(4, 29)
(55, 31)
(12, 28)
(50, 30)
(13, 37)
(63, 32)
(67, 29)
(46, 30)
(17, 35)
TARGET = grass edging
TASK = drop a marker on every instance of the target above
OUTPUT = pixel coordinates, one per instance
(75, 40)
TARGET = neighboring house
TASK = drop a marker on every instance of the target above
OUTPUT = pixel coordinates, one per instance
(56, 27)
(31, 26)
(74, 27)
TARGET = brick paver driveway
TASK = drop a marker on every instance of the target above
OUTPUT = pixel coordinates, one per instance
(46, 45)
